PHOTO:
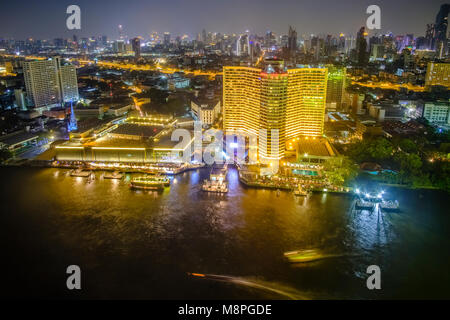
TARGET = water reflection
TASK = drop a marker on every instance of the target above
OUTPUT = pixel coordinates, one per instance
(141, 244)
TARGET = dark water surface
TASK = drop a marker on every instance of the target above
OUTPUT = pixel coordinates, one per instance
(132, 244)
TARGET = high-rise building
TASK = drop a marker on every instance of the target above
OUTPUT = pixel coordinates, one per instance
(335, 87)
(438, 74)
(283, 103)
(136, 44)
(377, 52)
(429, 33)
(68, 82)
(48, 82)
(166, 40)
(119, 46)
(440, 29)
(361, 47)
(292, 42)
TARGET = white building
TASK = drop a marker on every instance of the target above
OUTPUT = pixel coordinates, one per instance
(437, 112)
(205, 111)
(21, 101)
(49, 83)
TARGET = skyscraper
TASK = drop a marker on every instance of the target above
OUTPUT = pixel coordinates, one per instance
(136, 44)
(166, 40)
(292, 42)
(48, 82)
(429, 33)
(335, 87)
(284, 103)
(440, 29)
(361, 47)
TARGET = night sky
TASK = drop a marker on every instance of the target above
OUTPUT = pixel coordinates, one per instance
(45, 19)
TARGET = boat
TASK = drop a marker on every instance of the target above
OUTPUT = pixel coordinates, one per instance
(364, 205)
(162, 179)
(301, 192)
(114, 175)
(301, 256)
(80, 173)
(373, 197)
(215, 186)
(149, 183)
(311, 255)
(390, 205)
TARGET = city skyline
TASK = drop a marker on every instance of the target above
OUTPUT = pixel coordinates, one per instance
(225, 150)
(139, 19)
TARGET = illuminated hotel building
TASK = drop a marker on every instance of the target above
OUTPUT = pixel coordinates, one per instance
(290, 102)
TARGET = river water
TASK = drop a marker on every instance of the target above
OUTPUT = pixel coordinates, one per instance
(135, 244)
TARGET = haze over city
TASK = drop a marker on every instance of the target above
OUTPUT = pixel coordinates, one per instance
(46, 19)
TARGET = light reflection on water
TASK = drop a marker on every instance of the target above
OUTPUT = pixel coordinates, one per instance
(142, 243)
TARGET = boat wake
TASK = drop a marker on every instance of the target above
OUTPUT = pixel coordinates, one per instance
(281, 290)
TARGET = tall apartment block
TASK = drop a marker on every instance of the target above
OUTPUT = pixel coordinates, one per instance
(336, 87)
(48, 82)
(274, 104)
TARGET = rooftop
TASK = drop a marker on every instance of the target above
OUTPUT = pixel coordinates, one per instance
(144, 131)
(319, 147)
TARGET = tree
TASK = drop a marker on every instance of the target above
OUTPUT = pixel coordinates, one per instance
(408, 146)
(375, 149)
(340, 170)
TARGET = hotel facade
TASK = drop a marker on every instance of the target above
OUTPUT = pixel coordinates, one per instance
(274, 104)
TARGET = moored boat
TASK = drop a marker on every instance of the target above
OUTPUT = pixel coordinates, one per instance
(364, 205)
(80, 173)
(114, 175)
(390, 205)
(301, 192)
(214, 186)
(149, 183)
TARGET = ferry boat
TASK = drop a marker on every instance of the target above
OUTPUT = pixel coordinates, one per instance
(162, 179)
(80, 173)
(301, 192)
(149, 183)
(213, 186)
(390, 205)
(364, 205)
(216, 182)
(114, 175)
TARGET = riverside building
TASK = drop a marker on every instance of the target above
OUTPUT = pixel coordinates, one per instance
(275, 104)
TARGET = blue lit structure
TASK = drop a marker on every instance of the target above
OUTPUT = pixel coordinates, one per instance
(72, 125)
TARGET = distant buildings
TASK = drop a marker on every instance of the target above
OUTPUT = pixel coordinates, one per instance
(438, 74)
(48, 82)
(177, 81)
(283, 103)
